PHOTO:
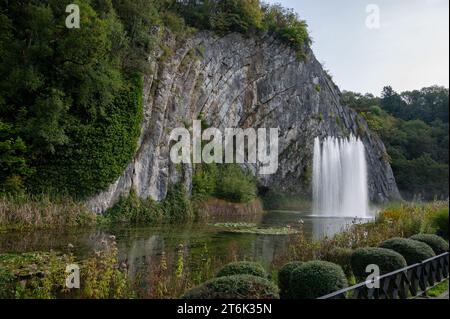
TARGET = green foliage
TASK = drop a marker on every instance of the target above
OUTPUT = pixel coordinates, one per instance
(413, 251)
(99, 151)
(70, 101)
(237, 16)
(284, 277)
(287, 25)
(428, 104)
(177, 206)
(133, 210)
(247, 17)
(41, 275)
(225, 181)
(315, 279)
(414, 128)
(242, 268)
(342, 257)
(235, 185)
(74, 107)
(204, 181)
(235, 287)
(7, 284)
(440, 222)
(438, 244)
(13, 161)
(388, 261)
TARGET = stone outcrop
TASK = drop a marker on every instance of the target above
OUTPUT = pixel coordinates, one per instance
(246, 82)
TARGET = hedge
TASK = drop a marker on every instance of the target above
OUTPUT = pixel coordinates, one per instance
(315, 279)
(235, 287)
(414, 251)
(243, 268)
(342, 257)
(284, 276)
(388, 261)
(436, 243)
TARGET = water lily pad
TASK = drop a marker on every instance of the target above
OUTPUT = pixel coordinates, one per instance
(249, 228)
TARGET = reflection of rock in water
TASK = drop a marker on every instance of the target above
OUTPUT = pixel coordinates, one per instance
(265, 249)
(141, 253)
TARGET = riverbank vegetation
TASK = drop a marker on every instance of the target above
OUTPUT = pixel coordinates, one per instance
(31, 212)
(173, 274)
(42, 275)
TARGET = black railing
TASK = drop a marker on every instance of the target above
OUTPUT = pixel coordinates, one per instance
(409, 282)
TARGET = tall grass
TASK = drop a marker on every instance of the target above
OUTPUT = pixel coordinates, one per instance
(42, 212)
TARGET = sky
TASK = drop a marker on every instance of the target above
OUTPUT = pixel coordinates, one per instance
(408, 49)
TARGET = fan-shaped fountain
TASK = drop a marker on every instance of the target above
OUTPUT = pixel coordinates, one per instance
(340, 178)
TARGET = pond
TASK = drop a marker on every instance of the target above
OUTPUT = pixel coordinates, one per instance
(261, 238)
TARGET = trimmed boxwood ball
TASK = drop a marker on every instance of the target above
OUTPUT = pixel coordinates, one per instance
(414, 251)
(388, 261)
(243, 268)
(438, 244)
(284, 276)
(315, 279)
(235, 287)
(342, 257)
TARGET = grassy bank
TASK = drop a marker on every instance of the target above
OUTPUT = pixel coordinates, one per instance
(24, 212)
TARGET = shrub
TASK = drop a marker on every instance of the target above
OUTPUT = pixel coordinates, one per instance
(315, 279)
(413, 251)
(284, 276)
(342, 257)
(388, 261)
(131, 209)
(287, 25)
(438, 244)
(177, 205)
(440, 222)
(242, 268)
(204, 181)
(237, 16)
(7, 286)
(235, 185)
(235, 287)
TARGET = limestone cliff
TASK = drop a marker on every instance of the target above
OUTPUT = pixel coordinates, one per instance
(238, 81)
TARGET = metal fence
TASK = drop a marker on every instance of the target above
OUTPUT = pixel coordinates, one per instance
(409, 282)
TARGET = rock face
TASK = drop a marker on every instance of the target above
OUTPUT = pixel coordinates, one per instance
(246, 82)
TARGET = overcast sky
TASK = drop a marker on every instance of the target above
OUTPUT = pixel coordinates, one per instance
(409, 51)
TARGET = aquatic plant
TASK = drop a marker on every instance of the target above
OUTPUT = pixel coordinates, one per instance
(249, 228)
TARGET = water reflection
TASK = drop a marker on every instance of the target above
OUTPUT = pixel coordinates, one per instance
(140, 247)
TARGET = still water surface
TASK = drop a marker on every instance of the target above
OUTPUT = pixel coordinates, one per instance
(140, 246)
